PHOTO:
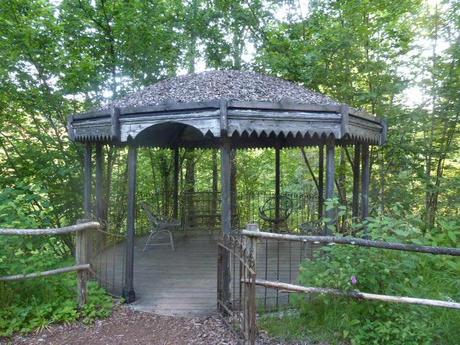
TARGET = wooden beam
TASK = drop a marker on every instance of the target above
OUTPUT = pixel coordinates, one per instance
(321, 182)
(56, 231)
(285, 287)
(226, 186)
(115, 124)
(277, 186)
(173, 107)
(226, 216)
(288, 106)
(361, 242)
(330, 179)
(128, 290)
(365, 180)
(56, 271)
(176, 183)
(87, 176)
(99, 181)
(233, 188)
(356, 178)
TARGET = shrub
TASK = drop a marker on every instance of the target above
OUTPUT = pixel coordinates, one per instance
(384, 272)
(35, 304)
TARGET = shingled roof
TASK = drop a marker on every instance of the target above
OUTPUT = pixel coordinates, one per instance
(228, 85)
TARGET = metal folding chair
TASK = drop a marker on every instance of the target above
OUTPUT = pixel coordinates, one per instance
(159, 226)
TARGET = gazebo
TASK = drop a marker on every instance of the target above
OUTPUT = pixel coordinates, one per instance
(226, 110)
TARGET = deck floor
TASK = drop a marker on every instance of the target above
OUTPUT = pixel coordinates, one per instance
(183, 282)
(180, 282)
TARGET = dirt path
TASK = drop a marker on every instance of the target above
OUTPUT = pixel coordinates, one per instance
(126, 326)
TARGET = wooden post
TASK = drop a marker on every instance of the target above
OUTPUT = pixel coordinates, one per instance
(81, 258)
(330, 178)
(128, 289)
(233, 189)
(321, 182)
(226, 216)
(251, 242)
(215, 189)
(226, 187)
(356, 173)
(249, 307)
(176, 183)
(220, 296)
(87, 182)
(99, 182)
(365, 182)
(277, 187)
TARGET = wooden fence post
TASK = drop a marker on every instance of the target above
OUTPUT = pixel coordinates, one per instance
(219, 277)
(249, 307)
(81, 256)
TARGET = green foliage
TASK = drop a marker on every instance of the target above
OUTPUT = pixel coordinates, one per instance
(382, 272)
(63, 57)
(33, 305)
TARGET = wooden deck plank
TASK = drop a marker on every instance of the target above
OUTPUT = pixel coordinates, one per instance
(184, 282)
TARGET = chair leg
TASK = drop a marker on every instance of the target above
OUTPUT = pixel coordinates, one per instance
(171, 239)
(154, 233)
(148, 240)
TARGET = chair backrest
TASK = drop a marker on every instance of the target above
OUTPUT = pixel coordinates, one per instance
(154, 220)
(268, 209)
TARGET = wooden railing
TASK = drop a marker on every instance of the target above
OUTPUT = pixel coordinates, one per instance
(81, 266)
(237, 302)
(252, 234)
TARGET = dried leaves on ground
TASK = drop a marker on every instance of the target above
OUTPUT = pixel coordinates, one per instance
(127, 326)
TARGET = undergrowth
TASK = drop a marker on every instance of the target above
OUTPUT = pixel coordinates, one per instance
(342, 320)
(33, 305)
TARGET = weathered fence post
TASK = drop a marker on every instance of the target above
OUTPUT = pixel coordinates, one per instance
(249, 307)
(219, 277)
(81, 257)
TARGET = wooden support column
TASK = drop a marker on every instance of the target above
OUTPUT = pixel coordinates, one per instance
(99, 182)
(330, 178)
(176, 184)
(87, 164)
(226, 187)
(321, 182)
(225, 152)
(233, 189)
(277, 187)
(365, 179)
(356, 180)
(128, 289)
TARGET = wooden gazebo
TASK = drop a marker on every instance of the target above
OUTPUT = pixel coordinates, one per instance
(225, 110)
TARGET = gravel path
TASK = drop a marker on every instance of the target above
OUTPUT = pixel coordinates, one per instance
(127, 326)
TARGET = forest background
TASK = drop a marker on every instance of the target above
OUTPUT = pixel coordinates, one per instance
(397, 59)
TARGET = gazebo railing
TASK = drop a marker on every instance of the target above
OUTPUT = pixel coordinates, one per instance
(202, 210)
